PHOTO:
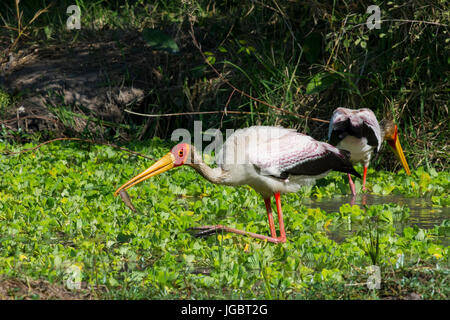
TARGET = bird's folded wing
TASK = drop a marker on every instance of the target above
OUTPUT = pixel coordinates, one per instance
(291, 154)
(247, 141)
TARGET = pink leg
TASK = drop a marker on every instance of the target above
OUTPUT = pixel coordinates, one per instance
(282, 236)
(273, 233)
(352, 185)
(208, 230)
(364, 179)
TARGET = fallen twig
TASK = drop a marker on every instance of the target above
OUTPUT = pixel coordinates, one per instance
(189, 113)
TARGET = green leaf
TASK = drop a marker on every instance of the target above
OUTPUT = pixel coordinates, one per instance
(409, 232)
(320, 82)
(420, 235)
(347, 43)
(211, 59)
(158, 40)
(377, 188)
(386, 216)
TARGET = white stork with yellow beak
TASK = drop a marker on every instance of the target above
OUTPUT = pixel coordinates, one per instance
(271, 160)
(359, 132)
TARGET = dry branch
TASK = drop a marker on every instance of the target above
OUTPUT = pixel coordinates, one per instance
(198, 46)
(189, 113)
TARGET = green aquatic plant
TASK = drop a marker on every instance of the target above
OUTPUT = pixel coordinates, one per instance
(421, 183)
(58, 214)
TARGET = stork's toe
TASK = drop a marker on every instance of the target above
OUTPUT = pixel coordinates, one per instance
(205, 231)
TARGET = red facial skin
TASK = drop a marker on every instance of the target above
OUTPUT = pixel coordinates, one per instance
(180, 153)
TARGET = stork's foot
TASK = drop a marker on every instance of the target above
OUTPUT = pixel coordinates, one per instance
(210, 230)
(204, 231)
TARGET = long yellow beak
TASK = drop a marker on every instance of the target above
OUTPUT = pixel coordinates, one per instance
(160, 166)
(397, 148)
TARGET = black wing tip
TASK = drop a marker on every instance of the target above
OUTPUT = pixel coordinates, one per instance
(355, 173)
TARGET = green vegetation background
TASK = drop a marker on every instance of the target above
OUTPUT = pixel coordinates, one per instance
(305, 57)
(58, 216)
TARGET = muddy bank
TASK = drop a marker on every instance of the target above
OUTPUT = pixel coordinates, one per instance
(82, 85)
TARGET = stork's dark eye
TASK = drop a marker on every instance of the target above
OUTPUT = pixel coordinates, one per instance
(180, 153)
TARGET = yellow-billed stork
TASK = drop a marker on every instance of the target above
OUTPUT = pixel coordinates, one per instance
(272, 160)
(359, 132)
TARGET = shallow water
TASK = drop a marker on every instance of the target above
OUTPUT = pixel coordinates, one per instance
(422, 213)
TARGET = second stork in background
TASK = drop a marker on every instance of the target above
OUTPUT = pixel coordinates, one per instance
(359, 132)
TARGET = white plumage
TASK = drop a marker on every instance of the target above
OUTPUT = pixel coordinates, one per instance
(272, 160)
(258, 156)
(356, 125)
(359, 132)
(360, 150)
